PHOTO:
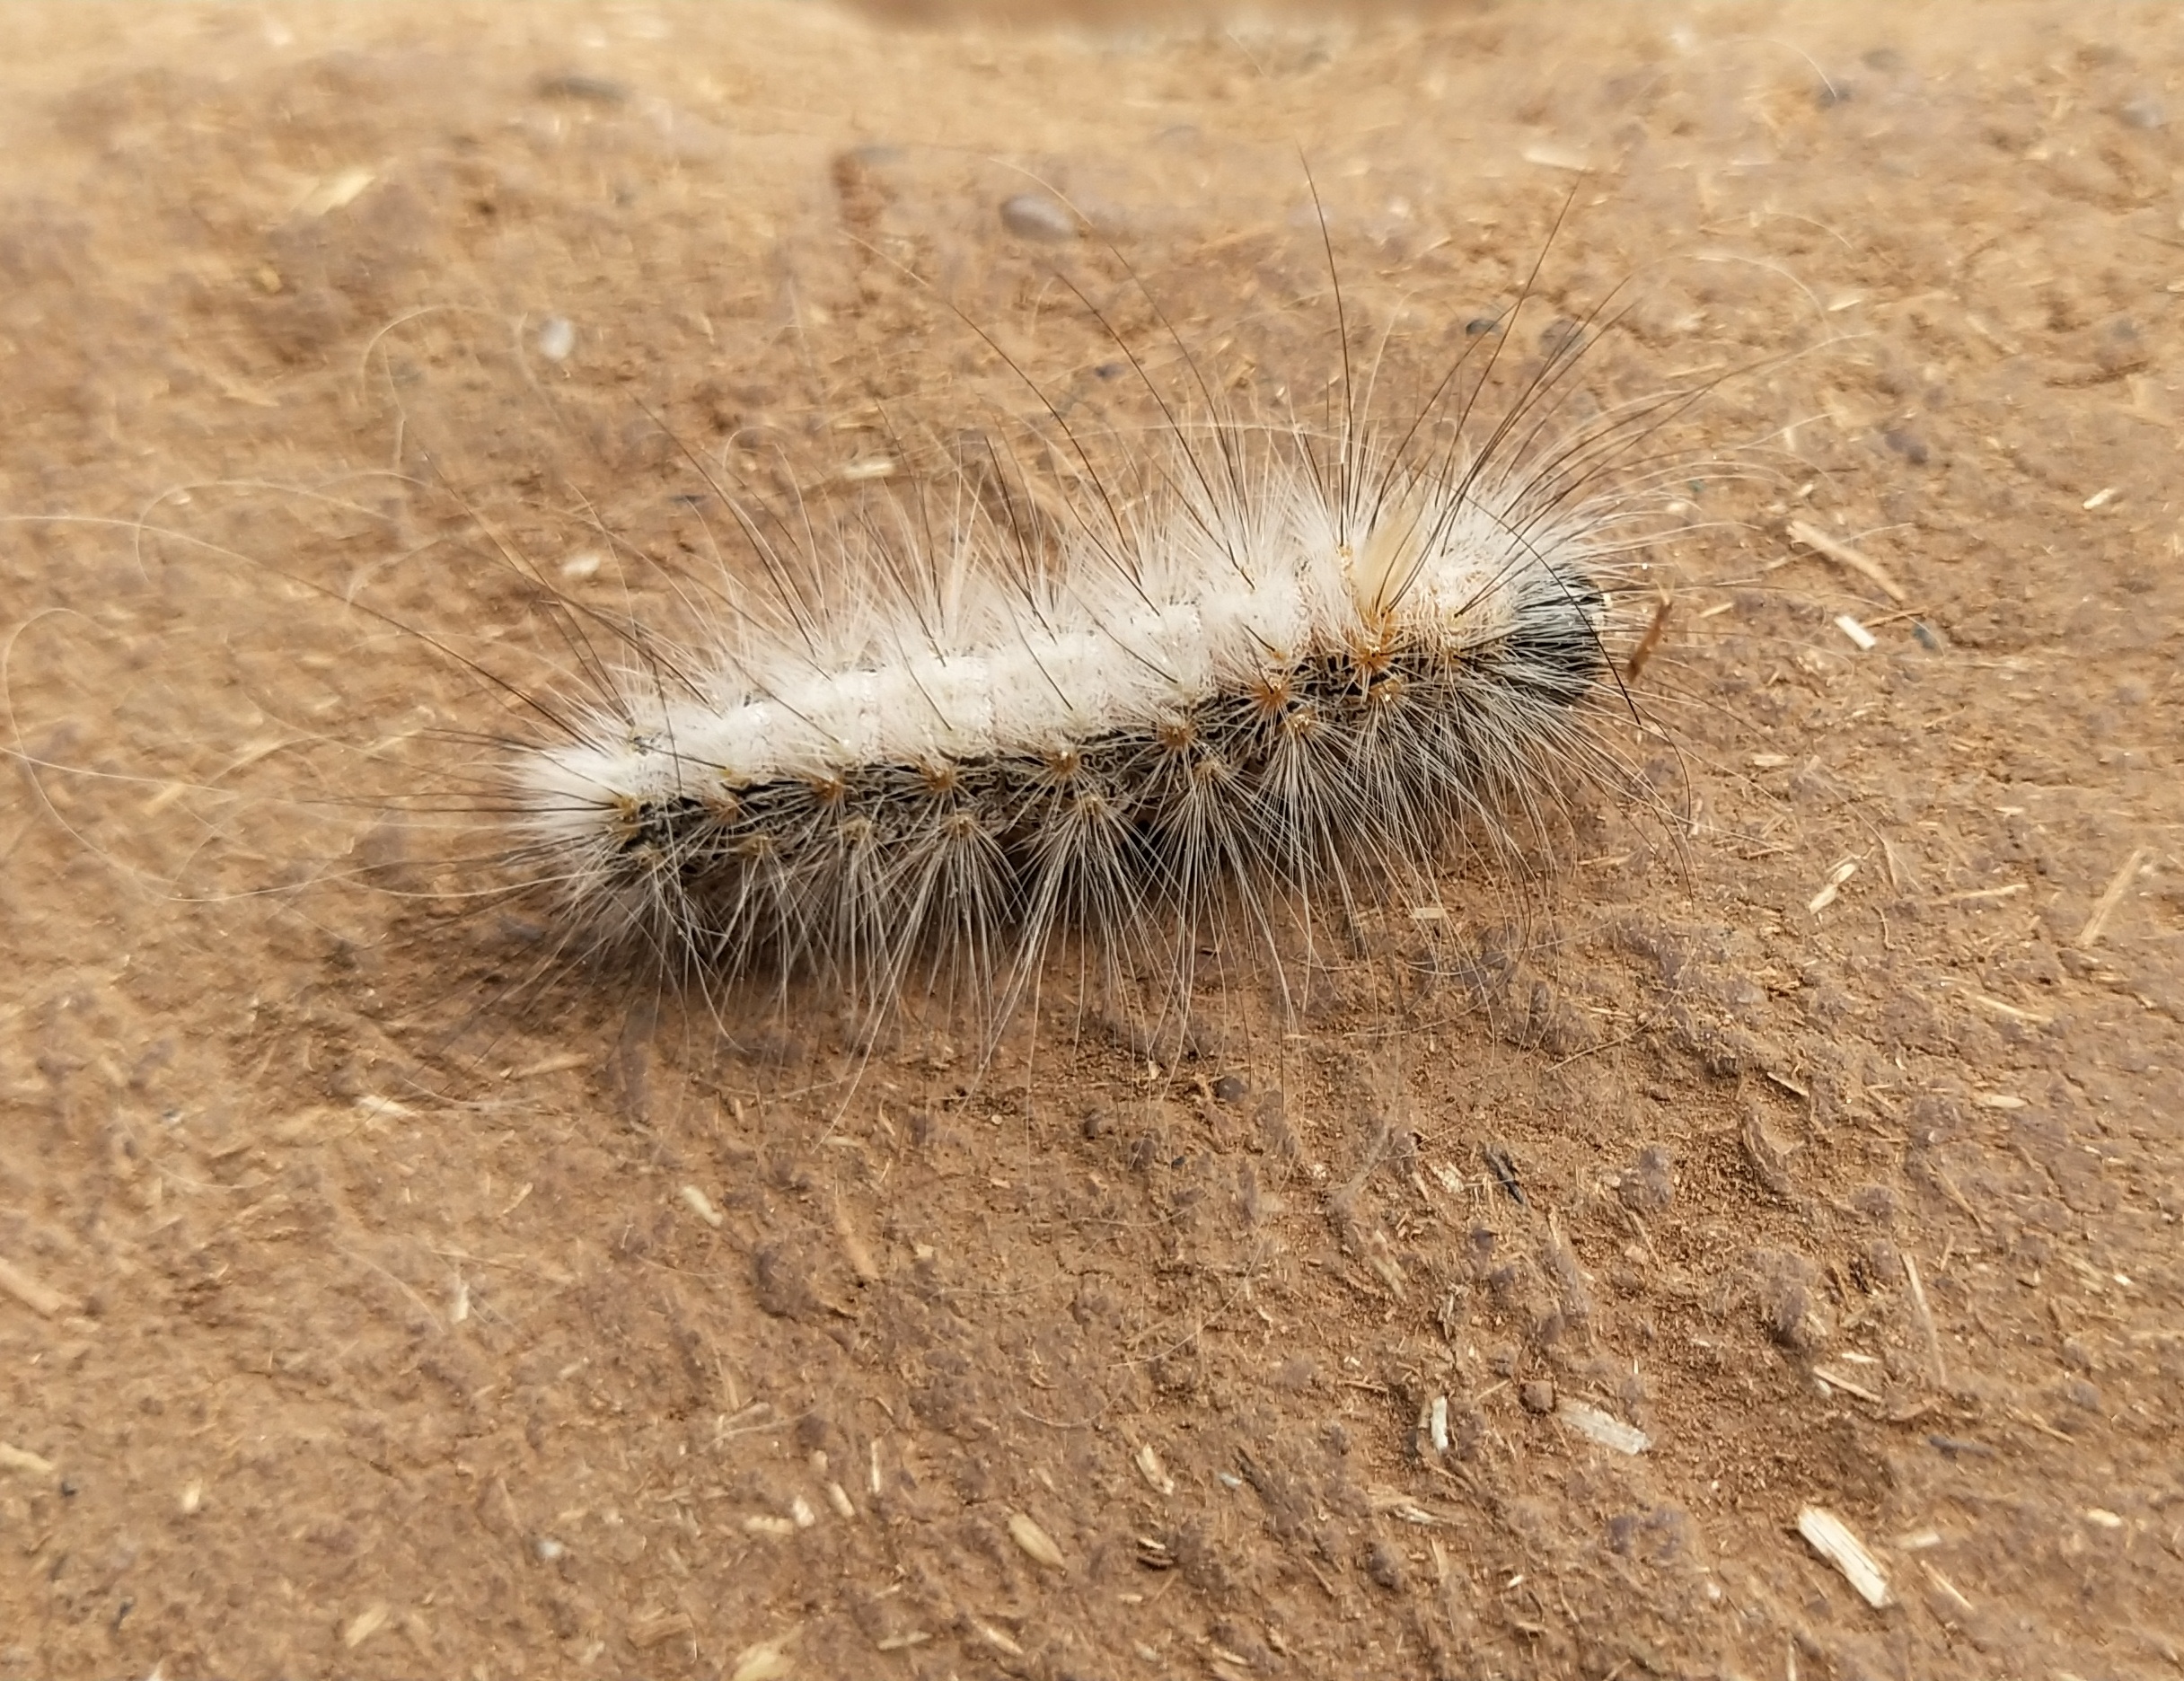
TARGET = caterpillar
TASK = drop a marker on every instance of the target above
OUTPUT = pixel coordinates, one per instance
(1137, 703)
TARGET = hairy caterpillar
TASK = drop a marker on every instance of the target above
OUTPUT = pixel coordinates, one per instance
(1266, 672)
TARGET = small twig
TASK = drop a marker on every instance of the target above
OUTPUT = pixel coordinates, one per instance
(35, 1294)
(2105, 906)
(1925, 1321)
(1650, 640)
(1843, 554)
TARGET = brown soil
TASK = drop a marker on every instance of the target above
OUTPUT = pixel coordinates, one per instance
(334, 1341)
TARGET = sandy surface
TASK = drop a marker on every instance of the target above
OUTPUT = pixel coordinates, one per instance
(374, 1304)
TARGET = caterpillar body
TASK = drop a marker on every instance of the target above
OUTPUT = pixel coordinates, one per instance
(1284, 673)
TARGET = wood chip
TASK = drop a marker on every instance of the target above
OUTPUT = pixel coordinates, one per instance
(1843, 554)
(995, 1637)
(1954, 1593)
(568, 1059)
(1548, 155)
(39, 1299)
(19, 1460)
(333, 192)
(659, 1626)
(363, 1626)
(1037, 1546)
(1986, 893)
(1603, 1428)
(2111, 896)
(768, 1661)
(2000, 1006)
(1830, 1536)
(1835, 1380)
(1154, 1473)
(1842, 873)
(1394, 1503)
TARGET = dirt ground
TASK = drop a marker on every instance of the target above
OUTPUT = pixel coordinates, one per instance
(375, 1306)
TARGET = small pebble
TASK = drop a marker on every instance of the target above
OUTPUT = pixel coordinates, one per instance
(557, 338)
(1537, 1395)
(548, 1549)
(1908, 445)
(1038, 217)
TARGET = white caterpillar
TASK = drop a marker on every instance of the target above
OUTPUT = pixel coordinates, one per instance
(1285, 674)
